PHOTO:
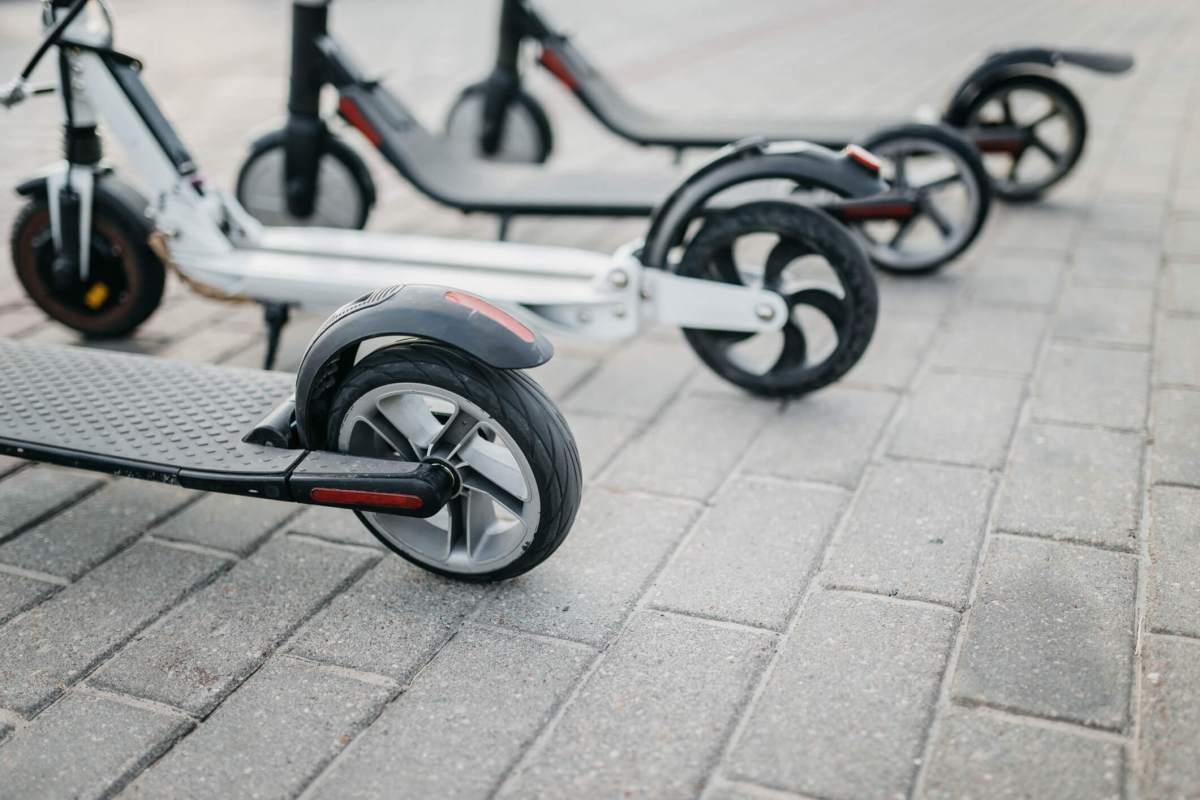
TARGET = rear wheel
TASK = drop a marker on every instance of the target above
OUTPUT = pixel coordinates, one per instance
(344, 191)
(939, 173)
(1031, 130)
(125, 280)
(526, 136)
(497, 429)
(821, 272)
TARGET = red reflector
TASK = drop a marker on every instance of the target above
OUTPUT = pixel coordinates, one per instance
(354, 497)
(863, 156)
(558, 69)
(351, 114)
(491, 312)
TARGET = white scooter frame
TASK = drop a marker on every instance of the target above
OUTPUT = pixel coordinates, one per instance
(210, 240)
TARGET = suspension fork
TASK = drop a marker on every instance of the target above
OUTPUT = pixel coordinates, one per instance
(502, 85)
(306, 131)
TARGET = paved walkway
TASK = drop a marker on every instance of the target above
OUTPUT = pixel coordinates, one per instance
(967, 570)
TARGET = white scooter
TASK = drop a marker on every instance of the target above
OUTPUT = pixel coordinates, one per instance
(780, 317)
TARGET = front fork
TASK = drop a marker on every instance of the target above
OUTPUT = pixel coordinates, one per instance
(500, 92)
(303, 145)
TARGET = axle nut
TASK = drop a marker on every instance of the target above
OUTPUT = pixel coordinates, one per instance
(619, 278)
(764, 312)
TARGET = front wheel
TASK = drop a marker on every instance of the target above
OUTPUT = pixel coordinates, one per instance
(1031, 130)
(946, 197)
(526, 136)
(823, 275)
(125, 280)
(497, 429)
(344, 190)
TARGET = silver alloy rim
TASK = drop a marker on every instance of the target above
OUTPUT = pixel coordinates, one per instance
(520, 142)
(339, 201)
(930, 178)
(492, 521)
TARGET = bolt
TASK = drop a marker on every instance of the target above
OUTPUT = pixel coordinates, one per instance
(764, 312)
(619, 278)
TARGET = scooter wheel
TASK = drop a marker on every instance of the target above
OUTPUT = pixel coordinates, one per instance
(526, 138)
(345, 191)
(511, 448)
(1031, 130)
(823, 275)
(940, 172)
(125, 280)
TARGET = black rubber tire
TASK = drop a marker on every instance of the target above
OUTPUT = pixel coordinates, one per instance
(515, 401)
(541, 120)
(1069, 102)
(332, 147)
(952, 140)
(818, 233)
(120, 227)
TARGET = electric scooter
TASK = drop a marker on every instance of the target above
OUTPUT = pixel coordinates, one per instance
(784, 313)
(449, 455)
(305, 174)
(1028, 125)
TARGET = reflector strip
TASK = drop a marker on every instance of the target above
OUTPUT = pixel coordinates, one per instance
(558, 69)
(491, 312)
(863, 157)
(351, 114)
(355, 497)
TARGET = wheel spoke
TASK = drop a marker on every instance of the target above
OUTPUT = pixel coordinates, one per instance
(903, 228)
(480, 518)
(478, 482)
(940, 183)
(378, 427)
(825, 301)
(1006, 109)
(783, 253)
(494, 462)
(931, 210)
(726, 267)
(1016, 163)
(795, 348)
(1049, 115)
(1046, 149)
(411, 415)
(899, 170)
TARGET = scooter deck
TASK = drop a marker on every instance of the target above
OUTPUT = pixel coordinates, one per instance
(135, 415)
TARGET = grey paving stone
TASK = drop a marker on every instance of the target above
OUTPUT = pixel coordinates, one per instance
(1170, 716)
(959, 419)
(752, 553)
(915, 532)
(598, 438)
(1073, 483)
(932, 295)
(635, 382)
(1176, 447)
(1050, 226)
(390, 622)
(462, 724)
(1126, 220)
(827, 436)
(37, 491)
(86, 746)
(1116, 263)
(1180, 288)
(1092, 386)
(691, 448)
(1051, 632)
(588, 588)
(1177, 356)
(896, 349)
(72, 542)
(270, 738)
(845, 711)
(676, 682)
(211, 344)
(978, 755)
(563, 373)
(1001, 339)
(1105, 314)
(226, 522)
(18, 593)
(202, 651)
(1016, 279)
(333, 525)
(56, 643)
(9, 464)
(1174, 588)
(1183, 236)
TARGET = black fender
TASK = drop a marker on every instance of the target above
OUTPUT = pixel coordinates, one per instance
(808, 165)
(449, 316)
(1040, 61)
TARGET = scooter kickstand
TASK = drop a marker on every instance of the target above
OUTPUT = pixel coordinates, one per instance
(276, 315)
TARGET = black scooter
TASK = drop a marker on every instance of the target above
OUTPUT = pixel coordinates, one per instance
(1009, 106)
(303, 174)
(448, 454)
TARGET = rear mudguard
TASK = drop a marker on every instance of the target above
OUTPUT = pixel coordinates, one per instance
(434, 313)
(808, 165)
(1027, 61)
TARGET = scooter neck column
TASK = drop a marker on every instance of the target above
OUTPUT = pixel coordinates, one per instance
(310, 21)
